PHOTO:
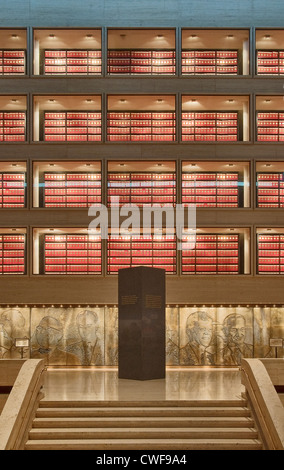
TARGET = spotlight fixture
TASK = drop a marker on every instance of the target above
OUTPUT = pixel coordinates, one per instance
(122, 100)
(14, 100)
(231, 164)
(89, 100)
(14, 164)
(14, 36)
(268, 100)
(160, 36)
(159, 164)
(52, 36)
(267, 36)
(193, 100)
(160, 100)
(51, 100)
(122, 35)
(192, 36)
(231, 100)
(230, 36)
(89, 36)
(87, 164)
(267, 164)
(51, 164)
(193, 164)
(122, 164)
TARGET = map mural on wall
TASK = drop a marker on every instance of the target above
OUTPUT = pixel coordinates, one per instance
(88, 336)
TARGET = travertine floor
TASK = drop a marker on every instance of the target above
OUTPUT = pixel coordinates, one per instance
(179, 384)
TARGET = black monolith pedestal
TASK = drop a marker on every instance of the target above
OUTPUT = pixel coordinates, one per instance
(141, 323)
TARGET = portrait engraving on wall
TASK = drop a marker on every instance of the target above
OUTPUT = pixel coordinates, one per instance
(14, 323)
(89, 347)
(198, 337)
(49, 339)
(111, 336)
(172, 336)
(234, 339)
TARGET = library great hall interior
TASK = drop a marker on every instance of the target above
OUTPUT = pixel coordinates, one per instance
(151, 104)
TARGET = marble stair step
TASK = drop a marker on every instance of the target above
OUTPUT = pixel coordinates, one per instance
(142, 411)
(143, 433)
(145, 444)
(154, 422)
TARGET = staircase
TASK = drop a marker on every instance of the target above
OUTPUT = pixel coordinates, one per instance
(165, 425)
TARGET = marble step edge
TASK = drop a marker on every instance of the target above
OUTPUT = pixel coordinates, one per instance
(151, 403)
(138, 412)
(148, 444)
(194, 421)
(143, 433)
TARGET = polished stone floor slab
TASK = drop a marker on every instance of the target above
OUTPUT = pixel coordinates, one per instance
(179, 384)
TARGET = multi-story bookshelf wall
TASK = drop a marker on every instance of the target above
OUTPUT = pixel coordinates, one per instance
(211, 254)
(12, 254)
(107, 150)
(270, 253)
(157, 251)
(72, 254)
